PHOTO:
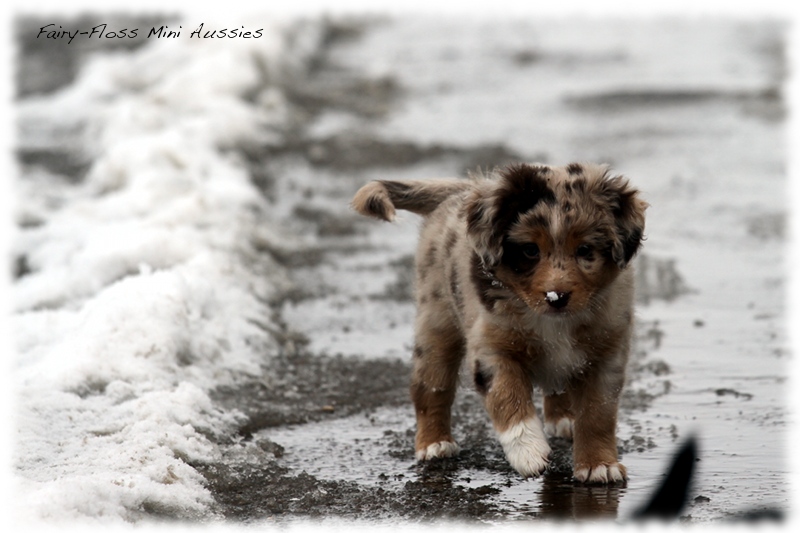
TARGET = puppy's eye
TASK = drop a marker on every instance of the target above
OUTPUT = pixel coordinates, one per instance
(584, 250)
(531, 251)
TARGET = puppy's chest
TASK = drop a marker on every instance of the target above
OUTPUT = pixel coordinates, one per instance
(555, 359)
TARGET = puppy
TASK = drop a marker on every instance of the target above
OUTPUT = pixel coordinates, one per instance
(525, 273)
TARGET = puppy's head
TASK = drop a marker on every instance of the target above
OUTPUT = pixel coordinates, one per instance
(553, 236)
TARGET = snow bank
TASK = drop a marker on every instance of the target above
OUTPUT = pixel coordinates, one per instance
(144, 289)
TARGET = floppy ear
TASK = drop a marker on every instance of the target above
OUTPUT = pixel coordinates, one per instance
(628, 210)
(481, 212)
(494, 206)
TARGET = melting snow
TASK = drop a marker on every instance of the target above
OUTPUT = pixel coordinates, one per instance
(144, 290)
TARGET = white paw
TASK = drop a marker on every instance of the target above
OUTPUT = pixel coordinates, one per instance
(562, 428)
(438, 449)
(526, 447)
(611, 473)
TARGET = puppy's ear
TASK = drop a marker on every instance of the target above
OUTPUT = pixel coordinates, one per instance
(494, 206)
(481, 212)
(628, 210)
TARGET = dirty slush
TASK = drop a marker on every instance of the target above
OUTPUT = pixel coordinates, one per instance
(328, 432)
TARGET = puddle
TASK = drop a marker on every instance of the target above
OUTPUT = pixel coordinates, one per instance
(357, 449)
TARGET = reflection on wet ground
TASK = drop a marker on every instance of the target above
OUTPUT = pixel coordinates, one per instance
(561, 498)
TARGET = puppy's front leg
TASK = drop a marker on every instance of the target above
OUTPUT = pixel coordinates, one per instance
(595, 403)
(508, 395)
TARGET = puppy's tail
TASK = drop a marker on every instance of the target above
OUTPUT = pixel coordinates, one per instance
(381, 198)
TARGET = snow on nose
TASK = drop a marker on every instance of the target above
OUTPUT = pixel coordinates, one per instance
(557, 300)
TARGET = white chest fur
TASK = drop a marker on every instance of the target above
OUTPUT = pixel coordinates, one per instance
(559, 359)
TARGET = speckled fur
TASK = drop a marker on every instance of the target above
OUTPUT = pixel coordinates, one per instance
(524, 273)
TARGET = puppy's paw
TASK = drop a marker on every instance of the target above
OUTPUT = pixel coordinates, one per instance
(560, 428)
(601, 473)
(438, 449)
(526, 447)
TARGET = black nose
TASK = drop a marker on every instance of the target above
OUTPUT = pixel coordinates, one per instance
(557, 300)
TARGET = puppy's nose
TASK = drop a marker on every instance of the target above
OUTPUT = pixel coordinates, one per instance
(557, 300)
